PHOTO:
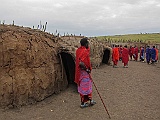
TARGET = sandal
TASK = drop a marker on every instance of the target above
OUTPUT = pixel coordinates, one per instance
(92, 102)
(84, 105)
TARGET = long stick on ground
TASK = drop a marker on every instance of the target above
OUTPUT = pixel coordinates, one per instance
(101, 100)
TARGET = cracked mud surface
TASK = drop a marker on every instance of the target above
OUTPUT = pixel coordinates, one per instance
(129, 94)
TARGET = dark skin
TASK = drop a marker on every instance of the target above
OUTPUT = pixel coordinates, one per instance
(86, 45)
(82, 66)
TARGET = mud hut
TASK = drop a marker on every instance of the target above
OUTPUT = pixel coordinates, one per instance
(35, 64)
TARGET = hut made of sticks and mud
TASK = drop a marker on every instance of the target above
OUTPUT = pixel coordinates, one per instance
(35, 64)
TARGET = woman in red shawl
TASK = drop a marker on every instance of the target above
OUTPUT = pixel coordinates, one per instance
(125, 56)
(115, 56)
(131, 52)
(82, 73)
(120, 52)
(136, 53)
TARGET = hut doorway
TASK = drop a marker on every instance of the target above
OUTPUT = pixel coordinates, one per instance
(69, 66)
(106, 56)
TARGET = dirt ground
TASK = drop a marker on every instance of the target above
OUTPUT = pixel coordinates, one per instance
(129, 94)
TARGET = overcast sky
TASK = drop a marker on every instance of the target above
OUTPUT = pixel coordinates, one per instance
(86, 17)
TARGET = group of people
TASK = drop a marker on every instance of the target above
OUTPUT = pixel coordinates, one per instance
(120, 54)
(148, 53)
(123, 54)
(151, 54)
(83, 67)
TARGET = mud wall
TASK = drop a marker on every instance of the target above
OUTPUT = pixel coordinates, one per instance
(30, 69)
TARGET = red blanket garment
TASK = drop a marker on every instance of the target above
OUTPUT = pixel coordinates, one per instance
(82, 54)
(115, 54)
(125, 55)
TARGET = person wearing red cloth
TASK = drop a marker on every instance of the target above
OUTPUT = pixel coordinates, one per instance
(131, 52)
(115, 56)
(125, 56)
(140, 49)
(120, 52)
(82, 73)
(156, 54)
(135, 53)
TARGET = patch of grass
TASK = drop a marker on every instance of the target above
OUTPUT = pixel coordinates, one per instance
(145, 38)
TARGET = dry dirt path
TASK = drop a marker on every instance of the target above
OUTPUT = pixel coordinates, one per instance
(129, 93)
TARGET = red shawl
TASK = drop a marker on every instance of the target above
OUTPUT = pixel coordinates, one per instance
(82, 54)
(120, 51)
(132, 50)
(156, 54)
(125, 57)
(115, 54)
(135, 50)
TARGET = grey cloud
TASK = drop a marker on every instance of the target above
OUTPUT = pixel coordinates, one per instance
(88, 17)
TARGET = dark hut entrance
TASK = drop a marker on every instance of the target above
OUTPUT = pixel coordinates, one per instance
(69, 66)
(106, 56)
